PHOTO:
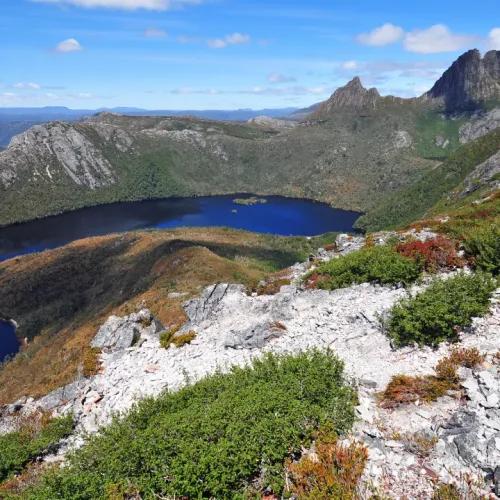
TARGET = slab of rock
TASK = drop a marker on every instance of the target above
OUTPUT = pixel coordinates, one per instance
(122, 333)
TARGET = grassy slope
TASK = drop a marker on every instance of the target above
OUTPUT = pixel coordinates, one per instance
(61, 297)
(412, 202)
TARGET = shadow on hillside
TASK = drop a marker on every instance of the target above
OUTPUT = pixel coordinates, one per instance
(46, 294)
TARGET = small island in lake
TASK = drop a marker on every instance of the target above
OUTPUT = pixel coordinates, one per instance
(249, 201)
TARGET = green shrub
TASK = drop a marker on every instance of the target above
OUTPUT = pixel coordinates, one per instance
(222, 437)
(33, 438)
(184, 339)
(380, 264)
(484, 246)
(166, 338)
(439, 312)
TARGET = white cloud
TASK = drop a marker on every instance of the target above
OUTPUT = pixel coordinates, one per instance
(234, 39)
(32, 86)
(237, 38)
(217, 44)
(155, 33)
(126, 4)
(383, 35)
(70, 45)
(350, 65)
(276, 77)
(494, 39)
(436, 39)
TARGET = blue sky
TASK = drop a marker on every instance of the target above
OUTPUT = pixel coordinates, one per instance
(228, 54)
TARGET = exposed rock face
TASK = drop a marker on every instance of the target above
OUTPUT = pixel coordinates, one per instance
(491, 62)
(351, 96)
(483, 174)
(274, 123)
(402, 139)
(478, 128)
(470, 79)
(121, 333)
(59, 150)
(441, 142)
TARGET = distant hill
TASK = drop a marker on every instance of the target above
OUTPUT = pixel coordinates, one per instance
(14, 121)
(52, 113)
(354, 150)
(303, 113)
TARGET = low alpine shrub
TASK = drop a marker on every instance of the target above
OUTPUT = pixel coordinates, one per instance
(222, 437)
(333, 472)
(403, 389)
(379, 264)
(441, 311)
(34, 437)
(432, 255)
(483, 246)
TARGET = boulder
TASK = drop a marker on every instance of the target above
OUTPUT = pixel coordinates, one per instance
(121, 333)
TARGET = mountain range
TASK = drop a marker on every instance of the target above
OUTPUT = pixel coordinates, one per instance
(353, 151)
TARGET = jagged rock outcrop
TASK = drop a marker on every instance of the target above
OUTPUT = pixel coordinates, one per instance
(470, 80)
(351, 96)
(475, 129)
(121, 333)
(487, 173)
(273, 123)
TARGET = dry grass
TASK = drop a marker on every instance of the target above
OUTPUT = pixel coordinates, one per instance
(184, 339)
(404, 389)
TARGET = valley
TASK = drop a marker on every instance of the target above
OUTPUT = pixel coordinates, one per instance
(332, 333)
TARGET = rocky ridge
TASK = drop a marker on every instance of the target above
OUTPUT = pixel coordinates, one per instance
(274, 123)
(471, 79)
(233, 327)
(487, 173)
(480, 127)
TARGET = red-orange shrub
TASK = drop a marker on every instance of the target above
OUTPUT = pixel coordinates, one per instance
(432, 255)
(332, 472)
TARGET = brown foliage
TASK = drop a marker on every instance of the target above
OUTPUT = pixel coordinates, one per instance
(403, 389)
(91, 362)
(184, 339)
(333, 472)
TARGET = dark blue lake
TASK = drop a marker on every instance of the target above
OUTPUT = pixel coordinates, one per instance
(284, 216)
(8, 341)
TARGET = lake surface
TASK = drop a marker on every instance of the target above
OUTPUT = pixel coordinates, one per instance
(283, 216)
(8, 341)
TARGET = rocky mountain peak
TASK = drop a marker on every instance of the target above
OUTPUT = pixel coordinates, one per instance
(470, 79)
(351, 96)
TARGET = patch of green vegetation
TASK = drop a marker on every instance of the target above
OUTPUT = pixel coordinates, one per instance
(379, 264)
(249, 201)
(434, 124)
(225, 437)
(33, 438)
(484, 246)
(412, 202)
(442, 310)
